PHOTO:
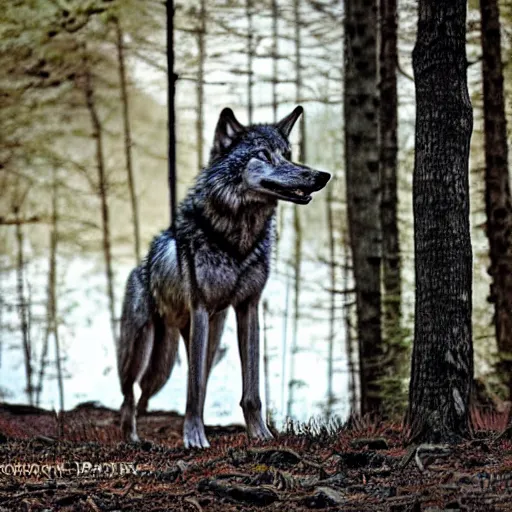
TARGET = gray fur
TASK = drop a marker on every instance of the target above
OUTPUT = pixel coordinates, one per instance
(215, 256)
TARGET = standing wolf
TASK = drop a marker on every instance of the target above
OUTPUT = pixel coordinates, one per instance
(217, 255)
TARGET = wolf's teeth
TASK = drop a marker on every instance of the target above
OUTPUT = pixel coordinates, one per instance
(298, 192)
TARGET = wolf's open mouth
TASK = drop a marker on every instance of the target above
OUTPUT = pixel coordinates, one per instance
(295, 195)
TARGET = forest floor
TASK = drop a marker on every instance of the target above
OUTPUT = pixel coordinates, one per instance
(366, 466)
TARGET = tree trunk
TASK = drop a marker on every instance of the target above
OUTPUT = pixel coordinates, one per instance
(388, 148)
(275, 58)
(52, 326)
(22, 307)
(442, 360)
(171, 128)
(349, 340)
(103, 193)
(266, 360)
(201, 32)
(332, 300)
(297, 223)
(292, 383)
(284, 346)
(363, 191)
(2, 295)
(250, 58)
(298, 79)
(497, 188)
(128, 138)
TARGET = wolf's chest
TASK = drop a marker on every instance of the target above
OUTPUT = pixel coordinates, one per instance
(223, 281)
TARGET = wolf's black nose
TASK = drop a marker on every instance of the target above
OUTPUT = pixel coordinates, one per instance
(322, 179)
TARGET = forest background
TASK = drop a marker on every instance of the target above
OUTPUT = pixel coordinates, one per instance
(83, 180)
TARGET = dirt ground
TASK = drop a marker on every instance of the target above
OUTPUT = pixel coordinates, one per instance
(78, 462)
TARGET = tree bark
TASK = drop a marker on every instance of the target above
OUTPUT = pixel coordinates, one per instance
(201, 32)
(294, 349)
(349, 340)
(266, 360)
(103, 194)
(250, 58)
(52, 326)
(22, 308)
(275, 58)
(171, 125)
(388, 149)
(498, 203)
(298, 78)
(332, 300)
(363, 191)
(128, 138)
(442, 360)
(297, 222)
(284, 341)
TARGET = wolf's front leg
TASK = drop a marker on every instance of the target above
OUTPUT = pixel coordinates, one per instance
(249, 346)
(197, 350)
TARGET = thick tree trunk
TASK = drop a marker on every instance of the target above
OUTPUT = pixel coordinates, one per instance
(388, 148)
(363, 191)
(128, 138)
(103, 194)
(201, 33)
(23, 307)
(498, 203)
(171, 89)
(442, 360)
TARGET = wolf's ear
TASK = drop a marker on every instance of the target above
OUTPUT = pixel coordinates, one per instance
(286, 124)
(228, 127)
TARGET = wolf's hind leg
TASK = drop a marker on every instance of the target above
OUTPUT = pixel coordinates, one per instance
(131, 370)
(215, 330)
(165, 349)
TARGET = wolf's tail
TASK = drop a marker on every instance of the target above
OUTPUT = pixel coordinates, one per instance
(147, 349)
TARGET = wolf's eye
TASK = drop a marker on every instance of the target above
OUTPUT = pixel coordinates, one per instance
(265, 155)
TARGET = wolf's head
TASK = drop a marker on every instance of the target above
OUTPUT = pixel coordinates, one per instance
(259, 158)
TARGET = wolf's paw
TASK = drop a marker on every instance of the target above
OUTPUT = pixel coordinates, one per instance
(258, 430)
(193, 434)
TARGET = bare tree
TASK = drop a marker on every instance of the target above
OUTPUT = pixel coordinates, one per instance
(297, 223)
(332, 299)
(171, 121)
(363, 191)
(250, 58)
(52, 325)
(97, 135)
(498, 202)
(127, 137)
(201, 34)
(442, 360)
(23, 301)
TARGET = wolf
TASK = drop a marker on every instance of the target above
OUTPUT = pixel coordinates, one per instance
(216, 255)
